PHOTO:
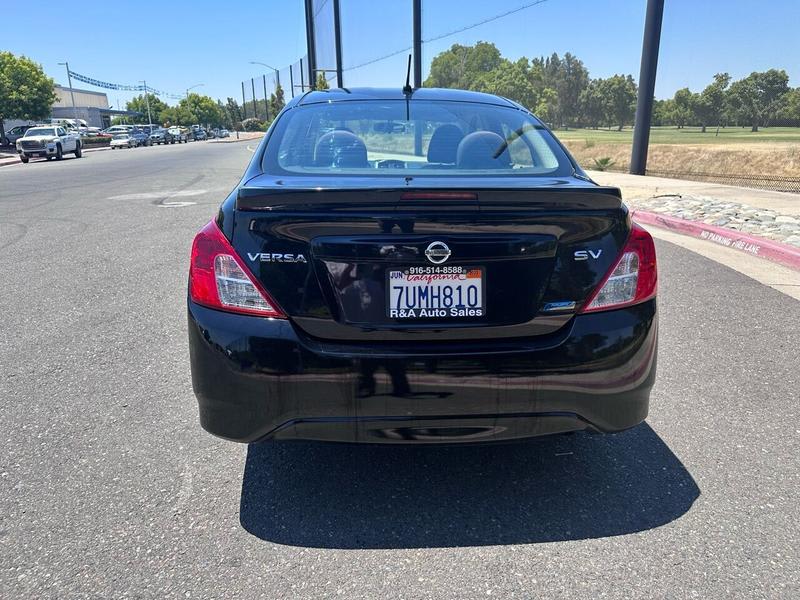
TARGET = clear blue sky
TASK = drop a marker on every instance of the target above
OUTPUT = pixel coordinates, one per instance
(211, 43)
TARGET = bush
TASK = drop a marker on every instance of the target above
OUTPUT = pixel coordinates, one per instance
(603, 164)
(253, 125)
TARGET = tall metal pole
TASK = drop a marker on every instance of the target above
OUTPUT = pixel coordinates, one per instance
(302, 81)
(417, 52)
(266, 100)
(310, 44)
(147, 101)
(255, 108)
(337, 37)
(291, 81)
(417, 45)
(244, 104)
(72, 95)
(647, 85)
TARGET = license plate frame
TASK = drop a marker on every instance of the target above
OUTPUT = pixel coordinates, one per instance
(472, 304)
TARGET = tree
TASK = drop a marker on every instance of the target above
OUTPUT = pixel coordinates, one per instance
(571, 79)
(139, 104)
(620, 94)
(460, 66)
(683, 105)
(280, 100)
(547, 109)
(322, 83)
(25, 91)
(204, 109)
(234, 111)
(592, 101)
(758, 96)
(790, 107)
(709, 105)
(509, 80)
(178, 115)
(662, 112)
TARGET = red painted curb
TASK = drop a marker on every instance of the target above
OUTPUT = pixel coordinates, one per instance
(756, 246)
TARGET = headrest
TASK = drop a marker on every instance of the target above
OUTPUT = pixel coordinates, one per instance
(479, 150)
(444, 144)
(340, 149)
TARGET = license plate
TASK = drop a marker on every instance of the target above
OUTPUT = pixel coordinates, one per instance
(436, 292)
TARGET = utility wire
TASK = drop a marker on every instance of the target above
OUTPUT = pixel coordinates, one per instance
(449, 33)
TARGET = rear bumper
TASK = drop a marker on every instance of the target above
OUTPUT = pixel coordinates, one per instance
(257, 378)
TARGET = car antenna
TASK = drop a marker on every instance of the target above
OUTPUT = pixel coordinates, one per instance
(407, 89)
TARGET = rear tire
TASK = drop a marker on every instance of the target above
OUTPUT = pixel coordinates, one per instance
(79, 153)
(59, 152)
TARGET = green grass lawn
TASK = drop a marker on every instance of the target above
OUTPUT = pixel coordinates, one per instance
(687, 135)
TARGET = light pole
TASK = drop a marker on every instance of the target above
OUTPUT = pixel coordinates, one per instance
(72, 95)
(191, 88)
(147, 101)
(277, 82)
(277, 74)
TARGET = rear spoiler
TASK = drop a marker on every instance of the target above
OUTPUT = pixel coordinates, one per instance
(418, 198)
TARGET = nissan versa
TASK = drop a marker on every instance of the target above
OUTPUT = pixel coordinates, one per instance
(419, 267)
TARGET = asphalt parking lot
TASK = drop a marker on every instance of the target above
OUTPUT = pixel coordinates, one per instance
(110, 489)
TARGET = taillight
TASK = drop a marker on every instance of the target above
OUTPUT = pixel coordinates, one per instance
(219, 279)
(632, 279)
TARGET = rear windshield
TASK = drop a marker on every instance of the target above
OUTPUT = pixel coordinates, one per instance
(391, 137)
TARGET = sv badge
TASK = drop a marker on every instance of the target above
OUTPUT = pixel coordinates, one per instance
(587, 254)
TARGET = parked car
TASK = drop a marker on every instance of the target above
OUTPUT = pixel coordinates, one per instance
(13, 134)
(115, 129)
(160, 136)
(212, 133)
(179, 135)
(199, 135)
(123, 140)
(148, 129)
(142, 138)
(223, 133)
(486, 290)
(49, 141)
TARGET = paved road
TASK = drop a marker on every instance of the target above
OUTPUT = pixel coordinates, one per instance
(110, 489)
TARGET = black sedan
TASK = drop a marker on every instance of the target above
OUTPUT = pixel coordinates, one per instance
(419, 267)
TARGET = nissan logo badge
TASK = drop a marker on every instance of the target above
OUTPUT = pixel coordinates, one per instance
(437, 252)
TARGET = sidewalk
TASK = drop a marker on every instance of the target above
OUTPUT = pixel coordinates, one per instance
(768, 215)
(638, 187)
(244, 136)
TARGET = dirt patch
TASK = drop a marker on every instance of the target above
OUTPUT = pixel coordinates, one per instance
(778, 160)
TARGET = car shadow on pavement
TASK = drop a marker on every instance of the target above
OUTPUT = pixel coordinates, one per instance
(550, 489)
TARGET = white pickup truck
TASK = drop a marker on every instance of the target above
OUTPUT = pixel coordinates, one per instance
(48, 141)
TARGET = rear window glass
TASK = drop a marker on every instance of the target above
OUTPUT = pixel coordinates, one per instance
(391, 137)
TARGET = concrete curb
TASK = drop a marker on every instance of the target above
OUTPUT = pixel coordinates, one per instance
(784, 254)
(234, 140)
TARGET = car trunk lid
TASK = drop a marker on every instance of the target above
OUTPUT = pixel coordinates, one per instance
(522, 255)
